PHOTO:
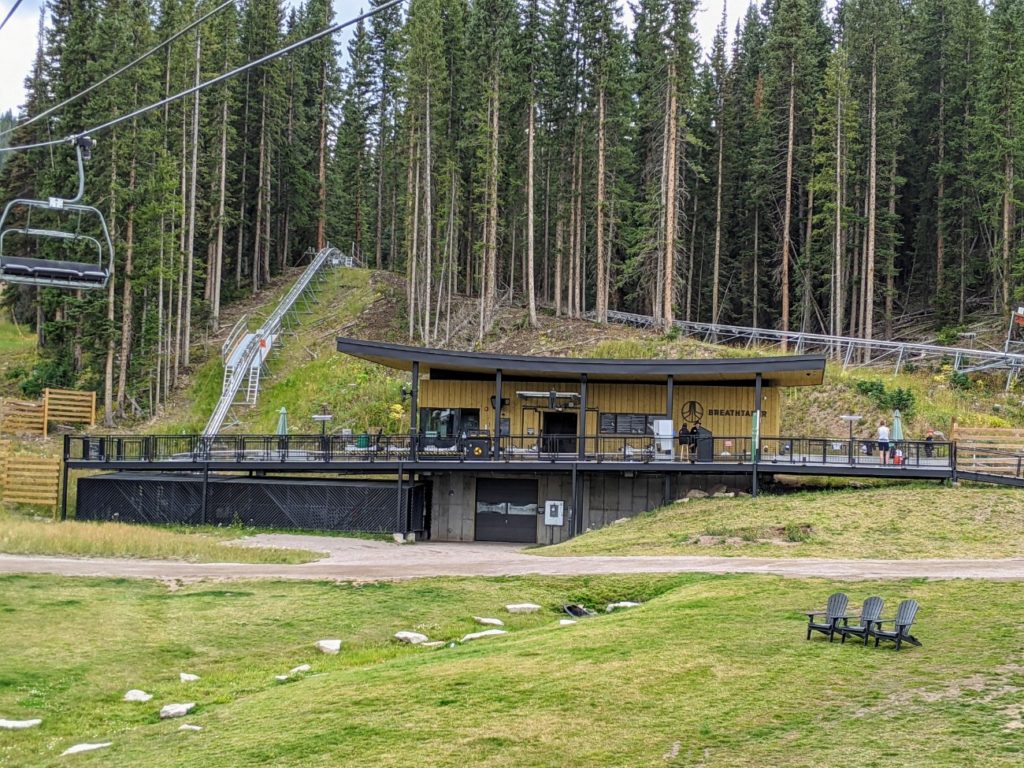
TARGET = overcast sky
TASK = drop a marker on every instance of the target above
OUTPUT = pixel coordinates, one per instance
(18, 38)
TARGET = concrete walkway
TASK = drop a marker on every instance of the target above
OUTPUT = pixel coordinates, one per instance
(361, 560)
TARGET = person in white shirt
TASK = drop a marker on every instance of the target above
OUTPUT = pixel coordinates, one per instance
(883, 441)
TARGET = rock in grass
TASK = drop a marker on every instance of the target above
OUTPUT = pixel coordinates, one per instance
(300, 668)
(696, 493)
(190, 727)
(432, 644)
(176, 710)
(17, 725)
(485, 633)
(415, 638)
(566, 622)
(281, 678)
(86, 747)
(328, 646)
(489, 622)
(188, 677)
(522, 608)
(621, 604)
(136, 695)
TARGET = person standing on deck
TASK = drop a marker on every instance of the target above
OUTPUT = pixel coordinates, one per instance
(883, 441)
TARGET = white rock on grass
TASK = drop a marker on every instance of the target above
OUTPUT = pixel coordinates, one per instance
(432, 644)
(190, 727)
(17, 725)
(621, 604)
(415, 638)
(176, 710)
(566, 622)
(485, 633)
(522, 608)
(300, 668)
(489, 622)
(136, 695)
(328, 646)
(281, 678)
(86, 747)
(188, 677)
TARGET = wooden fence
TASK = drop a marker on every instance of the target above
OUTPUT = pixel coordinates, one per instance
(31, 480)
(69, 406)
(995, 450)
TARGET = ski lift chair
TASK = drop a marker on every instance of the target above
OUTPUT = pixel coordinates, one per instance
(51, 272)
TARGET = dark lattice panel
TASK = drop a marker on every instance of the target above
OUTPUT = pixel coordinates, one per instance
(257, 502)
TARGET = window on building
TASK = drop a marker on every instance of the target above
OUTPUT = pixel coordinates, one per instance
(448, 422)
(627, 423)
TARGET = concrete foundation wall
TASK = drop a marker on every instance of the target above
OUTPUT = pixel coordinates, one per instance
(605, 497)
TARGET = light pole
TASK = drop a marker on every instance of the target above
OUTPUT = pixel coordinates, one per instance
(851, 419)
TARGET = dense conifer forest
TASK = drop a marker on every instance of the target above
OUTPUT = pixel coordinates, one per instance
(828, 169)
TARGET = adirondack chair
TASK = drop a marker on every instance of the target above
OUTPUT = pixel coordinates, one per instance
(835, 609)
(870, 614)
(905, 614)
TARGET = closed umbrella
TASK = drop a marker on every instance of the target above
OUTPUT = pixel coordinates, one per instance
(897, 426)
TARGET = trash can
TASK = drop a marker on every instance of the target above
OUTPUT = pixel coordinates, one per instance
(363, 440)
(705, 445)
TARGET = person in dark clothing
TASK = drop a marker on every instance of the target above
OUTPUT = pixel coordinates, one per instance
(694, 433)
(684, 440)
(929, 444)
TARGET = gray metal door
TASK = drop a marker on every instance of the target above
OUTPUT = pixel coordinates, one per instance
(506, 510)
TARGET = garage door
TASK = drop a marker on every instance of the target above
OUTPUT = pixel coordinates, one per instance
(506, 510)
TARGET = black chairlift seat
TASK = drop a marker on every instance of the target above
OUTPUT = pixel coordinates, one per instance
(58, 273)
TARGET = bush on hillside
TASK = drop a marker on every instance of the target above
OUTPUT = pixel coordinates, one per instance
(888, 399)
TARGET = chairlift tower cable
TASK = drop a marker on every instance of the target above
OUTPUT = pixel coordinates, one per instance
(326, 32)
(9, 14)
(131, 65)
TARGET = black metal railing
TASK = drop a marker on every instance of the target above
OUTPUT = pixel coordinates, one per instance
(297, 449)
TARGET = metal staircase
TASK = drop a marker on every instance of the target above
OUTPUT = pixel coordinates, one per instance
(245, 353)
(845, 349)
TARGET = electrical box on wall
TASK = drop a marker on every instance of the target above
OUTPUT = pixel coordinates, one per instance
(554, 512)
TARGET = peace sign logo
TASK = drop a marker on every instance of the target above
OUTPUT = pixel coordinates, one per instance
(692, 412)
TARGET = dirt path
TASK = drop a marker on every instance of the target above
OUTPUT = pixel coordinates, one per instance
(360, 560)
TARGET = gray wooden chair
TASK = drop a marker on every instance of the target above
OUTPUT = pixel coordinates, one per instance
(905, 614)
(835, 610)
(870, 614)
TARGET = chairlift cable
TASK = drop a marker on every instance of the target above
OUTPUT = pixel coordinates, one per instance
(10, 13)
(121, 71)
(326, 32)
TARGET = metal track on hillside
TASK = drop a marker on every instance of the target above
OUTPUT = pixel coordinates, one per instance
(845, 349)
(262, 339)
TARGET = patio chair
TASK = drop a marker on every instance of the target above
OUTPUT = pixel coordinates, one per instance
(835, 610)
(900, 634)
(870, 614)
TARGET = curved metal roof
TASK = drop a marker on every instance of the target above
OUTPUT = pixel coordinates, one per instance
(785, 371)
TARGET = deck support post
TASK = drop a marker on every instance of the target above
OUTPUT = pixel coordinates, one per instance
(582, 445)
(64, 478)
(756, 448)
(497, 414)
(414, 415)
(669, 409)
(401, 522)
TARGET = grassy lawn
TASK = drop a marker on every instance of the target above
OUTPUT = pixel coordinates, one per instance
(36, 536)
(711, 671)
(893, 523)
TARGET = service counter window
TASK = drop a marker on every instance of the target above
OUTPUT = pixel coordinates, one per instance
(447, 424)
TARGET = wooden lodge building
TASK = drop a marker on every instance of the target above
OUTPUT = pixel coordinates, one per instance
(538, 449)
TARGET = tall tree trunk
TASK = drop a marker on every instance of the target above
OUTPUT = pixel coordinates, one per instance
(836, 325)
(672, 171)
(190, 263)
(531, 291)
(218, 259)
(108, 368)
(1008, 203)
(890, 258)
(869, 266)
(788, 207)
(718, 219)
(601, 304)
(491, 247)
(243, 196)
(321, 218)
(127, 318)
(258, 245)
(428, 224)
(940, 198)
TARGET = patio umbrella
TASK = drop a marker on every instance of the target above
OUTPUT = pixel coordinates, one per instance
(282, 422)
(897, 426)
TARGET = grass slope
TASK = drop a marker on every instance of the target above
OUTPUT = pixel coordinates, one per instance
(711, 671)
(904, 522)
(28, 536)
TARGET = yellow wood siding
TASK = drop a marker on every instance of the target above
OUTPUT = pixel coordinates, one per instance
(726, 409)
